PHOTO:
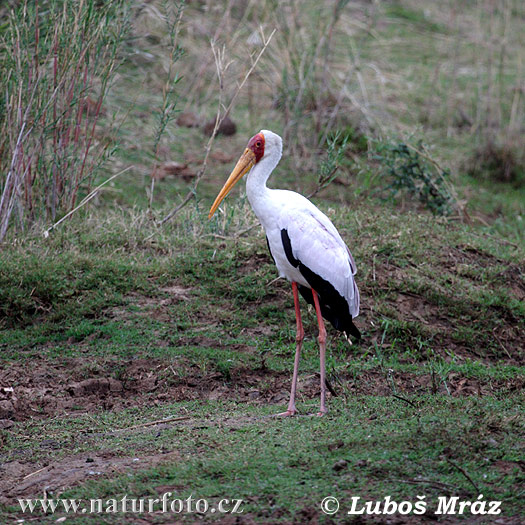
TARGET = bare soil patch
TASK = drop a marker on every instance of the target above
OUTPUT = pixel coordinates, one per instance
(19, 479)
(496, 323)
(48, 388)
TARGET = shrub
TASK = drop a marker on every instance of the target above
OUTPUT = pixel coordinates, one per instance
(408, 168)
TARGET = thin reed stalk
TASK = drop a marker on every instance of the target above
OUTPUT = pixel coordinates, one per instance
(222, 65)
(169, 99)
(59, 61)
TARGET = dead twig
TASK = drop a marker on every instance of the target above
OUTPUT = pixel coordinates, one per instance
(85, 200)
(405, 400)
(153, 423)
(462, 470)
(500, 343)
(330, 387)
(35, 472)
(434, 484)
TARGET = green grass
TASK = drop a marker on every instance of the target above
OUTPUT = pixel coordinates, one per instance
(438, 446)
(204, 308)
(190, 321)
(415, 18)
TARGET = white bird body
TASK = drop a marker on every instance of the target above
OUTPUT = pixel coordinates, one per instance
(305, 245)
(315, 241)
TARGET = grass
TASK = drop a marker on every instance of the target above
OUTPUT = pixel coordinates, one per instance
(113, 323)
(204, 311)
(390, 441)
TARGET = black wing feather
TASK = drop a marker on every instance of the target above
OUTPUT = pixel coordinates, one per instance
(334, 307)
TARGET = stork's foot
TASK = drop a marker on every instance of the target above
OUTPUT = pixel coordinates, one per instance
(288, 413)
(322, 412)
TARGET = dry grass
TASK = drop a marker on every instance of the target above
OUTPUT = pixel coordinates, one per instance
(453, 77)
(372, 67)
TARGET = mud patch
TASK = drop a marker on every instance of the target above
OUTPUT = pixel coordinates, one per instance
(254, 263)
(49, 388)
(377, 382)
(19, 479)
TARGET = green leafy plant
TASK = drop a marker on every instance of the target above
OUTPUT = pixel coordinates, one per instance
(330, 163)
(410, 169)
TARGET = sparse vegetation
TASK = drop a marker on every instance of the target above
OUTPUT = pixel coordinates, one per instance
(500, 163)
(408, 167)
(126, 336)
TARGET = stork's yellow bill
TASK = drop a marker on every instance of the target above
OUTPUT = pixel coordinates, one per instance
(252, 154)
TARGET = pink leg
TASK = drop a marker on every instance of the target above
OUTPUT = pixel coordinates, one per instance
(299, 339)
(322, 349)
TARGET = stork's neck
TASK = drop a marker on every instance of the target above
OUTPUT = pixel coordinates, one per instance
(256, 190)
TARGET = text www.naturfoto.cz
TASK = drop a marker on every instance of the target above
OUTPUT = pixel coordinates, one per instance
(163, 504)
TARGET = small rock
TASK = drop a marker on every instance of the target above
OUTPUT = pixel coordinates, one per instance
(115, 385)
(7, 409)
(99, 386)
(187, 174)
(172, 167)
(340, 465)
(169, 168)
(338, 444)
(50, 443)
(222, 157)
(7, 391)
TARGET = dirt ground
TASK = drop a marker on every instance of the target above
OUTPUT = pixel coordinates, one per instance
(49, 389)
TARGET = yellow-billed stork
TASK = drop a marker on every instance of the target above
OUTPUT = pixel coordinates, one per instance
(305, 245)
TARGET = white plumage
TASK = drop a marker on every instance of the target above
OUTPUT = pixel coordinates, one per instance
(315, 240)
(305, 245)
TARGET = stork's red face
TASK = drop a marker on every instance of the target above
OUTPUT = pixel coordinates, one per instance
(256, 144)
(253, 153)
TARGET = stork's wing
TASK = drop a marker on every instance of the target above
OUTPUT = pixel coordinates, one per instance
(316, 243)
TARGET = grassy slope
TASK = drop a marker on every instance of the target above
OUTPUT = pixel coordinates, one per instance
(194, 311)
(208, 311)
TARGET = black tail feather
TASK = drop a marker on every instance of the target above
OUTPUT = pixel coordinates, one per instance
(353, 330)
(334, 307)
(340, 318)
